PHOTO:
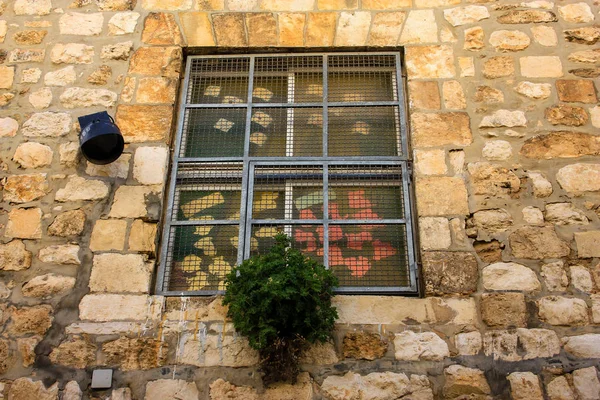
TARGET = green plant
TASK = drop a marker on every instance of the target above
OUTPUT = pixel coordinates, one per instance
(281, 301)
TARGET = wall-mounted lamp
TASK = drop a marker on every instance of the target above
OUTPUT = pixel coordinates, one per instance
(100, 141)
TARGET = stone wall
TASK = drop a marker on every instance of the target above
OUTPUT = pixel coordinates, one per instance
(504, 119)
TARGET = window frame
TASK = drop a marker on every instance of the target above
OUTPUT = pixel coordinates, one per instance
(248, 164)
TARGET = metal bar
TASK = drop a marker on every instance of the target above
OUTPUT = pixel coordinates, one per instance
(296, 105)
(199, 222)
(378, 289)
(409, 228)
(402, 109)
(349, 160)
(249, 212)
(397, 221)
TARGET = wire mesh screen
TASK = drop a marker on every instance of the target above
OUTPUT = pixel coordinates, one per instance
(312, 145)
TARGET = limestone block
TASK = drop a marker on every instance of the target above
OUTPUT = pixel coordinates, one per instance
(29, 37)
(135, 354)
(28, 320)
(468, 343)
(229, 30)
(576, 90)
(588, 244)
(454, 97)
(14, 256)
(385, 28)
(156, 90)
(320, 354)
(44, 286)
(541, 67)
(67, 254)
(320, 29)
(430, 203)
(585, 56)
(534, 90)
(538, 343)
(556, 310)
(541, 186)
(498, 67)
(490, 221)
(79, 188)
(430, 62)
(8, 127)
(430, 162)
(24, 223)
(142, 237)
(161, 28)
(7, 77)
(586, 35)
(167, 4)
(171, 388)
(493, 180)
(143, 123)
(464, 381)
(108, 234)
(544, 35)
(223, 389)
(466, 15)
(488, 95)
(504, 40)
(244, 5)
(76, 97)
(74, 353)
(88, 24)
(119, 307)
(352, 28)
(224, 350)
(497, 150)
(581, 279)
(116, 169)
(32, 7)
(503, 309)
(563, 114)
(431, 130)
(364, 345)
(579, 178)
(149, 165)
(130, 202)
(424, 95)
(377, 385)
(449, 272)
(434, 233)
(69, 154)
(47, 124)
(262, 29)
(555, 276)
(25, 188)
(133, 272)
(26, 388)
(26, 347)
(565, 214)
(466, 66)
(585, 381)
(290, 26)
(525, 386)
(72, 391)
(420, 27)
(501, 118)
(411, 346)
(501, 345)
(559, 389)
(582, 346)
(26, 56)
(117, 51)
(474, 38)
(537, 243)
(533, 216)
(457, 161)
(72, 53)
(595, 308)
(123, 23)
(527, 17)
(41, 98)
(509, 276)
(576, 13)
(100, 76)
(31, 75)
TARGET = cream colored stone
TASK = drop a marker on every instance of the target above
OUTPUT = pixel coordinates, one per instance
(32, 7)
(537, 243)
(26, 56)
(119, 307)
(559, 389)
(498, 67)
(243, 5)
(497, 150)
(167, 4)
(581, 279)
(541, 186)
(133, 272)
(474, 38)
(565, 214)
(7, 76)
(386, 28)
(26, 388)
(576, 13)
(117, 51)
(48, 285)
(586, 383)
(579, 178)
(430, 162)
(430, 203)
(420, 27)
(25, 188)
(293, 5)
(149, 165)
(491, 179)
(76, 97)
(588, 244)
(555, 276)
(427, 346)
(320, 29)
(454, 97)
(72, 53)
(171, 389)
(130, 202)
(434, 62)
(24, 223)
(8, 127)
(81, 24)
(533, 216)
(434, 233)
(582, 346)
(510, 276)
(502, 118)
(541, 67)
(352, 28)
(41, 98)
(525, 386)
(491, 221)
(377, 385)
(440, 129)
(47, 124)
(79, 188)
(544, 35)
(289, 26)
(466, 66)
(459, 235)
(469, 343)
(538, 343)
(534, 90)
(142, 236)
(501, 345)
(72, 391)
(197, 29)
(462, 380)
(123, 23)
(447, 35)
(69, 153)
(67, 254)
(556, 310)
(108, 234)
(117, 169)
(33, 155)
(62, 77)
(14, 256)
(3, 30)
(214, 351)
(466, 15)
(31, 75)
(504, 40)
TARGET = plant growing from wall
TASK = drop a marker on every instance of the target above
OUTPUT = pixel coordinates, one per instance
(281, 301)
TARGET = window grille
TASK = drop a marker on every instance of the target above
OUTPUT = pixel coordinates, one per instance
(313, 145)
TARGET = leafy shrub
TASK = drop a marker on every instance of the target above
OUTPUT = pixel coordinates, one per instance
(281, 301)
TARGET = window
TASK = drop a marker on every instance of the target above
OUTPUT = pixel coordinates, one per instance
(314, 145)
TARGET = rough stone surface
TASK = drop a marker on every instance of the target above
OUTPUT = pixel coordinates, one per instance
(377, 385)
(581, 279)
(586, 35)
(28, 320)
(156, 90)
(420, 27)
(134, 273)
(501, 345)
(525, 386)
(76, 97)
(24, 223)
(69, 154)
(81, 24)
(317, 354)
(534, 90)
(504, 40)
(117, 307)
(25, 188)
(130, 202)
(544, 35)
(582, 346)
(123, 23)
(41, 98)
(533, 216)
(430, 203)
(364, 345)
(588, 244)
(149, 165)
(497, 150)
(585, 381)
(490, 221)
(576, 13)
(8, 127)
(117, 51)
(537, 243)
(72, 53)
(142, 236)
(428, 346)
(434, 233)
(561, 144)
(505, 118)
(509, 276)
(449, 272)
(33, 155)
(555, 276)
(527, 17)
(161, 28)
(108, 234)
(135, 354)
(556, 310)
(431, 130)
(116, 169)
(565, 214)
(423, 62)
(14, 256)
(27, 388)
(498, 67)
(576, 91)
(464, 381)
(141, 123)
(541, 67)
(469, 343)
(78, 189)
(430, 162)
(466, 15)
(559, 389)
(75, 353)
(537, 343)
(176, 389)
(504, 309)
(72, 391)
(492, 180)
(47, 124)
(68, 223)
(540, 185)
(579, 178)
(60, 254)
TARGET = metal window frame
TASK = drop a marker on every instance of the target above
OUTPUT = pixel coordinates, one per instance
(248, 164)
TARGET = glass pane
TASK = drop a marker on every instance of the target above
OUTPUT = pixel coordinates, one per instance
(360, 78)
(279, 132)
(219, 80)
(369, 255)
(305, 238)
(208, 205)
(215, 132)
(363, 131)
(200, 256)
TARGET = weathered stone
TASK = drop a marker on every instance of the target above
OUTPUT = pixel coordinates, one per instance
(141, 123)
(576, 13)
(230, 29)
(108, 234)
(525, 386)
(8, 127)
(510, 276)
(26, 56)
(72, 391)
(75, 353)
(434, 233)
(565, 214)
(76, 97)
(26, 388)
(457, 227)
(29, 37)
(217, 350)
(497, 150)
(544, 35)
(116, 5)
(221, 389)
(319, 354)
(586, 383)
(289, 26)
(47, 285)
(492, 221)
(555, 276)
(534, 90)
(26, 320)
(320, 29)
(180, 389)
(60, 254)
(424, 95)
(466, 15)
(538, 343)
(561, 144)
(119, 307)
(69, 154)
(69, 223)
(588, 244)
(262, 29)
(431, 130)
(62, 77)
(537, 243)
(156, 90)
(533, 216)
(576, 90)
(527, 17)
(454, 97)
(382, 4)
(430, 62)
(100, 76)
(81, 24)
(72, 53)
(420, 27)
(493, 180)
(582, 346)
(505, 118)
(116, 169)
(149, 165)
(541, 67)
(556, 310)
(25, 188)
(167, 5)
(3, 30)
(503, 309)
(466, 66)
(134, 273)
(123, 23)
(430, 203)
(7, 77)
(117, 51)
(503, 40)
(428, 346)
(142, 237)
(385, 28)
(26, 347)
(24, 223)
(14, 256)
(464, 381)
(581, 279)
(468, 344)
(489, 95)
(559, 389)
(161, 28)
(377, 385)
(41, 98)
(586, 35)
(78, 189)
(474, 38)
(47, 124)
(449, 272)
(541, 186)
(498, 67)
(364, 345)
(586, 56)
(197, 28)
(32, 7)
(130, 202)
(457, 161)
(578, 178)
(353, 28)
(430, 162)
(501, 345)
